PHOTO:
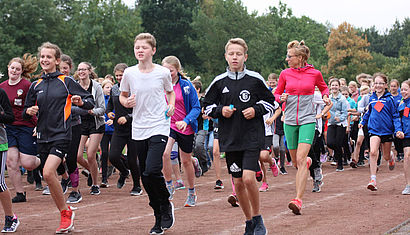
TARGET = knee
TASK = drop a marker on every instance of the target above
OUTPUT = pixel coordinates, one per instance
(239, 185)
(248, 180)
(374, 152)
(48, 175)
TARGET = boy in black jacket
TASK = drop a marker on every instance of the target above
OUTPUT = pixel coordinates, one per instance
(239, 98)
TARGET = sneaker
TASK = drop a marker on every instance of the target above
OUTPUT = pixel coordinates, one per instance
(85, 172)
(233, 200)
(136, 191)
(391, 163)
(339, 169)
(308, 162)
(283, 171)
(318, 174)
(46, 190)
(89, 180)
(197, 167)
(333, 163)
(406, 190)
(11, 224)
(372, 185)
(218, 185)
(20, 197)
(95, 190)
(295, 205)
(274, 168)
(259, 176)
(74, 197)
(316, 186)
(249, 227)
(171, 191)
(121, 180)
(30, 177)
(191, 200)
(39, 187)
(64, 185)
(167, 216)
(104, 184)
(179, 184)
(260, 228)
(67, 221)
(353, 164)
(360, 164)
(323, 157)
(264, 187)
(157, 226)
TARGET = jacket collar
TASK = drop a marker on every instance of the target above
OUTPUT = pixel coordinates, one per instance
(236, 75)
(51, 75)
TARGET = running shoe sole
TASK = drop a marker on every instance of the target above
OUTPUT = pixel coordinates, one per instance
(295, 209)
(232, 201)
(371, 187)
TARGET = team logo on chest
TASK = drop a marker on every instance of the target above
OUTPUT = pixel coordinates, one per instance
(244, 96)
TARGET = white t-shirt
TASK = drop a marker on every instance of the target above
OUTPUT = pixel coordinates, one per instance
(148, 116)
(319, 104)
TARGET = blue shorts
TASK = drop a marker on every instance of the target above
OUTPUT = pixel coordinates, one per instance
(22, 138)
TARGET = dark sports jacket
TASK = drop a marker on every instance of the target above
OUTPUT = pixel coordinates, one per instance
(52, 93)
(116, 107)
(242, 90)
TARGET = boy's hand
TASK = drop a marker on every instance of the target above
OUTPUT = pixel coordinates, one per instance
(227, 111)
(32, 110)
(249, 113)
(131, 101)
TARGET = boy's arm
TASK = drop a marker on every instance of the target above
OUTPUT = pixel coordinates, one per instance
(212, 102)
(6, 112)
(84, 98)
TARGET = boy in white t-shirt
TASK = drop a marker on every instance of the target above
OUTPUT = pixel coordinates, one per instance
(142, 88)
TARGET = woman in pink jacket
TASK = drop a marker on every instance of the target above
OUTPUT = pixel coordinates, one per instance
(296, 86)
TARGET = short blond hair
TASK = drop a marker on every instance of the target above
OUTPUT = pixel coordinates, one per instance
(364, 89)
(149, 38)
(238, 41)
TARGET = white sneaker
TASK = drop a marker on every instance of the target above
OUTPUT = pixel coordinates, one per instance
(46, 191)
(406, 190)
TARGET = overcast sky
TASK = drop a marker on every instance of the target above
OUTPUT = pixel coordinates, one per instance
(360, 13)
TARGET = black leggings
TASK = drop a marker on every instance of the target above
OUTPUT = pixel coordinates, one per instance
(105, 147)
(71, 159)
(118, 143)
(335, 138)
(314, 153)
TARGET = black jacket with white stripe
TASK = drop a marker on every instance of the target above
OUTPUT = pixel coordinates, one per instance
(242, 90)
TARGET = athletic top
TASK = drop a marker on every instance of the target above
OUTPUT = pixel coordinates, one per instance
(339, 109)
(404, 108)
(382, 117)
(300, 84)
(17, 96)
(6, 117)
(116, 107)
(149, 114)
(52, 93)
(242, 90)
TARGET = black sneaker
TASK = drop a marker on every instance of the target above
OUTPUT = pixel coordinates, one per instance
(64, 184)
(110, 171)
(89, 180)
(249, 228)
(121, 180)
(104, 184)
(11, 224)
(260, 228)
(283, 171)
(219, 185)
(95, 190)
(157, 226)
(74, 197)
(167, 216)
(39, 187)
(20, 197)
(136, 191)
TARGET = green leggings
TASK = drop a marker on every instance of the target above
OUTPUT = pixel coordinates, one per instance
(299, 134)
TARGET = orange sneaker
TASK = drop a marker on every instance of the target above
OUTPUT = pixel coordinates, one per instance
(67, 221)
(392, 163)
(295, 205)
(372, 185)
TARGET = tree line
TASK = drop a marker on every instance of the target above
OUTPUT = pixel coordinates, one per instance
(102, 32)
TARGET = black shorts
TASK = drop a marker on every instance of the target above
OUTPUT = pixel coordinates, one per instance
(268, 143)
(383, 138)
(406, 142)
(88, 128)
(216, 136)
(242, 160)
(58, 148)
(185, 142)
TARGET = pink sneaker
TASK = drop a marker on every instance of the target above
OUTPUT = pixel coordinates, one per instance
(309, 162)
(296, 206)
(264, 187)
(274, 168)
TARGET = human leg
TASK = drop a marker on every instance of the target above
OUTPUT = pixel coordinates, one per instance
(94, 142)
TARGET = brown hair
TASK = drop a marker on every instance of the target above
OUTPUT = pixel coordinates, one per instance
(238, 41)
(362, 76)
(334, 80)
(149, 38)
(406, 82)
(93, 74)
(120, 67)
(395, 81)
(67, 59)
(197, 84)
(29, 64)
(382, 75)
(174, 61)
(50, 45)
(344, 88)
(300, 49)
(273, 76)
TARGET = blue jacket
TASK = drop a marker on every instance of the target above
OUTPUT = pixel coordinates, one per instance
(191, 102)
(339, 109)
(405, 121)
(397, 99)
(385, 121)
(108, 129)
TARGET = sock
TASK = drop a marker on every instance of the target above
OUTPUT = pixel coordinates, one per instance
(373, 177)
(191, 191)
